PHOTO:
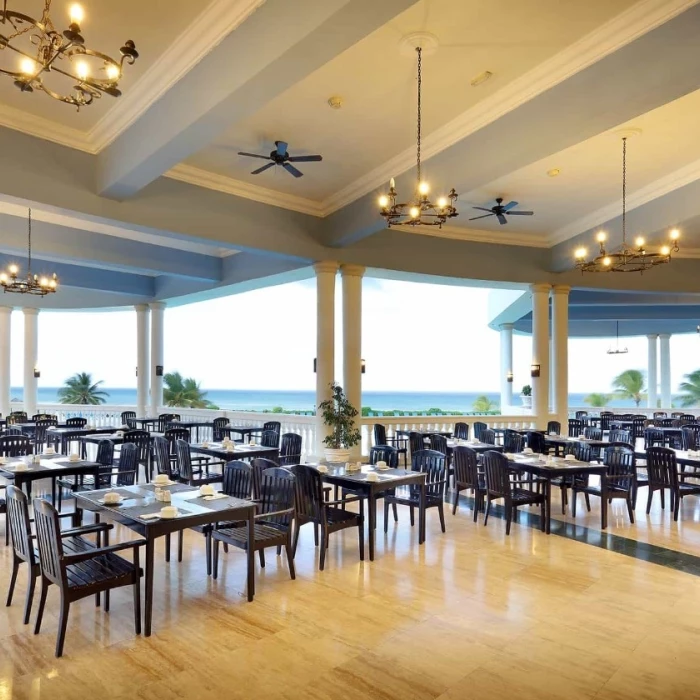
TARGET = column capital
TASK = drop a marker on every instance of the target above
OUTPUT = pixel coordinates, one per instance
(542, 288)
(561, 289)
(30, 312)
(352, 270)
(653, 336)
(326, 266)
(506, 326)
(156, 305)
(664, 335)
(141, 307)
(6, 309)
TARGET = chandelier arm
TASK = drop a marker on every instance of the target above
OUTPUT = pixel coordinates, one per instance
(624, 191)
(29, 247)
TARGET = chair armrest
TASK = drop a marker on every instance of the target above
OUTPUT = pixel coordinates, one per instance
(274, 514)
(342, 501)
(91, 554)
(87, 529)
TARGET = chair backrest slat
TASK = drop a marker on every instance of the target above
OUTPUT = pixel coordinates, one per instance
(19, 524)
(217, 433)
(48, 539)
(384, 453)
(465, 462)
(259, 465)
(128, 465)
(15, 445)
(309, 492)
(497, 474)
(462, 431)
(277, 493)
(290, 449)
(238, 479)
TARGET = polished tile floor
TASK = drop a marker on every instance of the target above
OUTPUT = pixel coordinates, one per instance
(472, 614)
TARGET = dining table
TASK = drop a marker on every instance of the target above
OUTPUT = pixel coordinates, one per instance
(145, 423)
(405, 432)
(192, 426)
(61, 438)
(552, 468)
(242, 430)
(478, 446)
(23, 471)
(236, 450)
(356, 481)
(140, 511)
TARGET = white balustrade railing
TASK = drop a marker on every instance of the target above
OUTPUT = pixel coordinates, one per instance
(634, 410)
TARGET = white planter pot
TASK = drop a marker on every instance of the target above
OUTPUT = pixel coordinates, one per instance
(340, 455)
(527, 401)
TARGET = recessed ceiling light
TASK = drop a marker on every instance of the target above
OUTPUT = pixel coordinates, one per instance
(553, 172)
(481, 78)
(335, 102)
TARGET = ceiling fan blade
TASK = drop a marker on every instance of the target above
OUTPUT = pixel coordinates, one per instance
(281, 147)
(501, 219)
(483, 216)
(482, 209)
(304, 159)
(253, 155)
(520, 213)
(291, 169)
(262, 169)
(510, 205)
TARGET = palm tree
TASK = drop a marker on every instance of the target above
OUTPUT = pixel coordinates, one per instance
(597, 400)
(630, 385)
(184, 393)
(483, 404)
(80, 389)
(690, 389)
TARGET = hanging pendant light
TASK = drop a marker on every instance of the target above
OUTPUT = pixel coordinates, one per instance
(37, 285)
(625, 258)
(420, 210)
(618, 350)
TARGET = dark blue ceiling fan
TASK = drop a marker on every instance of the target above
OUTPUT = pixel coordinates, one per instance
(280, 156)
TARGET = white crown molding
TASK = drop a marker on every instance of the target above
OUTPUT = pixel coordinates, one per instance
(221, 183)
(211, 26)
(692, 253)
(634, 22)
(673, 181)
(43, 128)
(529, 240)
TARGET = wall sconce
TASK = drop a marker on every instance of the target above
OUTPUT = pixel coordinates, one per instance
(137, 371)
(314, 365)
(37, 373)
(159, 370)
(534, 370)
(509, 377)
(362, 366)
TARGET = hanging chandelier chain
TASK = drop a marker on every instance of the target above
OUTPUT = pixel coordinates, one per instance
(420, 84)
(29, 246)
(624, 191)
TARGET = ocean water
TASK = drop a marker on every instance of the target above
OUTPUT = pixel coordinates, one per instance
(258, 400)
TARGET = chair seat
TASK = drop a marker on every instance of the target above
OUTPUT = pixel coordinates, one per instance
(238, 536)
(337, 515)
(688, 489)
(525, 496)
(611, 490)
(107, 567)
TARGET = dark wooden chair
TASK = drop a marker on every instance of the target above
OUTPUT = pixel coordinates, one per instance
(273, 425)
(187, 474)
(44, 416)
(479, 427)
(142, 440)
(675, 415)
(163, 459)
(691, 436)
(513, 441)
(329, 516)
(82, 574)
(429, 462)
(23, 550)
(15, 445)
(605, 419)
(290, 449)
(662, 468)
(536, 442)
(217, 429)
(16, 417)
(270, 438)
(687, 418)
(128, 418)
(384, 453)
(40, 433)
(514, 493)
(583, 453)
(620, 481)
(461, 431)
(581, 414)
(273, 521)
(416, 441)
(467, 476)
(575, 427)
(105, 457)
(400, 443)
(76, 422)
(438, 443)
(617, 435)
(660, 414)
(554, 426)
(639, 423)
(165, 419)
(653, 438)
(488, 436)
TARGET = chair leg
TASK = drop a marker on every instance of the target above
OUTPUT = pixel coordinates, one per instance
(167, 547)
(412, 518)
(106, 606)
(630, 509)
(488, 509)
(322, 558)
(478, 503)
(396, 513)
(361, 532)
(13, 580)
(509, 518)
(574, 494)
(180, 538)
(295, 542)
(454, 502)
(676, 505)
(42, 604)
(31, 583)
(63, 624)
(290, 558)
(663, 498)
(261, 555)
(543, 515)
(215, 565)
(386, 515)
(564, 499)
(316, 534)
(650, 496)
(137, 593)
(588, 502)
(441, 513)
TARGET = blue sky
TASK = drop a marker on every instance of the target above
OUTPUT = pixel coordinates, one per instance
(416, 337)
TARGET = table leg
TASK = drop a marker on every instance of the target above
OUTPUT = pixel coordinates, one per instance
(421, 515)
(548, 507)
(371, 535)
(148, 607)
(251, 556)
(603, 503)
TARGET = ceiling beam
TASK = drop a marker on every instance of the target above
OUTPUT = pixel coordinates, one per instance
(276, 47)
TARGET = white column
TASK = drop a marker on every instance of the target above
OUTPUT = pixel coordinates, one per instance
(560, 352)
(665, 369)
(142, 373)
(325, 341)
(157, 318)
(652, 377)
(31, 359)
(5, 338)
(506, 367)
(352, 339)
(540, 353)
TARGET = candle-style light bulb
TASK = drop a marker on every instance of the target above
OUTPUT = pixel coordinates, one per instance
(76, 13)
(580, 253)
(392, 183)
(384, 201)
(112, 71)
(601, 236)
(82, 69)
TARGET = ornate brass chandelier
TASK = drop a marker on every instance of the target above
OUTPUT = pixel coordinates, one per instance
(421, 211)
(43, 53)
(31, 284)
(626, 258)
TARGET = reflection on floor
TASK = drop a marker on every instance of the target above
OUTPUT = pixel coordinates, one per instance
(472, 613)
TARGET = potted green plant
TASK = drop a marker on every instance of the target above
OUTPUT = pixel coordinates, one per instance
(526, 396)
(339, 415)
